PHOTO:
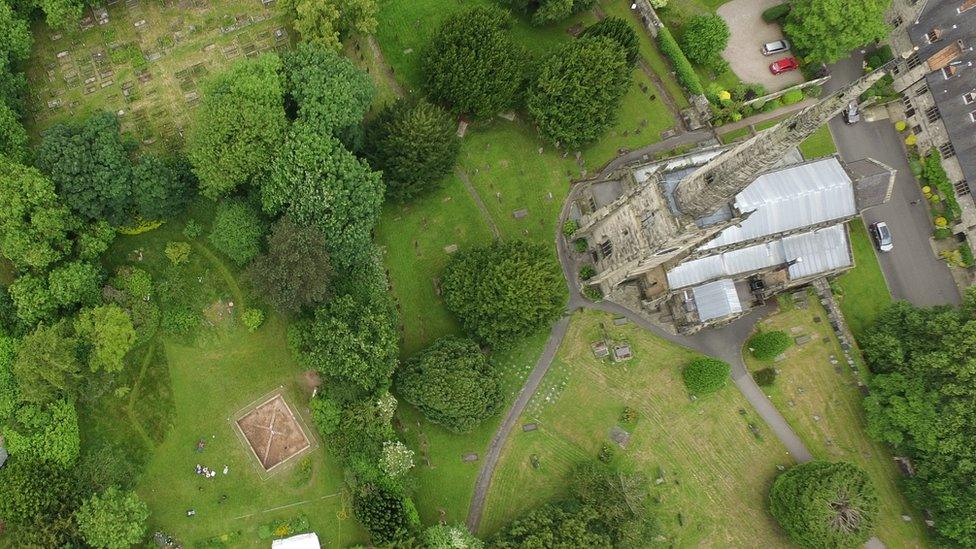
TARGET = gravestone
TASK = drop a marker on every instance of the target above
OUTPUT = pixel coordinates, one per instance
(468, 458)
(520, 214)
(450, 248)
(530, 427)
(620, 436)
(803, 339)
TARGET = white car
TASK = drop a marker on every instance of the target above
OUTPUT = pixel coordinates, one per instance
(772, 48)
(882, 236)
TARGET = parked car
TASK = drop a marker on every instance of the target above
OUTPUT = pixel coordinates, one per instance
(882, 236)
(772, 48)
(852, 115)
(784, 65)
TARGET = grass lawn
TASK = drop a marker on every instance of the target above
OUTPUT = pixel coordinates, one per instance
(150, 73)
(716, 471)
(180, 390)
(823, 404)
(864, 290)
(819, 144)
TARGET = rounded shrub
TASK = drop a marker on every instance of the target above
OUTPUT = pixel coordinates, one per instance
(252, 319)
(765, 377)
(768, 345)
(705, 375)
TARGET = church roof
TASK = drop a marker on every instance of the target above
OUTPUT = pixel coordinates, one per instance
(791, 198)
(716, 300)
(821, 251)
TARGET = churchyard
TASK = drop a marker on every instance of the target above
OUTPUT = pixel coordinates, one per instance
(863, 290)
(144, 60)
(713, 456)
(818, 394)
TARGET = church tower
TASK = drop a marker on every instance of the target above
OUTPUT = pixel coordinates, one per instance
(655, 222)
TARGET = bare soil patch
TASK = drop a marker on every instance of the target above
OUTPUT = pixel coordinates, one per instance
(272, 432)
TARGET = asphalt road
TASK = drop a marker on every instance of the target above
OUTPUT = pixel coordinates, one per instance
(912, 270)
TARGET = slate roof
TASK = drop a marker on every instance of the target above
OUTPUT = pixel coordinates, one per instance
(792, 198)
(716, 300)
(953, 27)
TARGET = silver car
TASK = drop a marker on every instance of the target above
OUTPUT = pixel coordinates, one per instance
(772, 48)
(882, 236)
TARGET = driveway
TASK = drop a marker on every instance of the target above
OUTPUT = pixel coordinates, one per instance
(912, 270)
(749, 33)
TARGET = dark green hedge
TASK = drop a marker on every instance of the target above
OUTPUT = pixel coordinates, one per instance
(776, 13)
(768, 345)
(686, 74)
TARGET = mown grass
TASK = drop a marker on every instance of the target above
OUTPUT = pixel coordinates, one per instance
(864, 291)
(715, 471)
(820, 144)
(822, 403)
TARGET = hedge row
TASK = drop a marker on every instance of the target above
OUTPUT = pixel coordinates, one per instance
(776, 13)
(686, 74)
(935, 175)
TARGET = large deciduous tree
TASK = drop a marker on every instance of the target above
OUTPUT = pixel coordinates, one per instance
(32, 299)
(295, 272)
(921, 402)
(9, 396)
(60, 14)
(47, 366)
(827, 30)
(75, 283)
(34, 225)
(327, 22)
(822, 504)
(90, 167)
(575, 96)
(239, 126)
(504, 291)
(329, 91)
(472, 64)
(414, 144)
(349, 341)
(47, 433)
(161, 187)
(544, 12)
(113, 519)
(387, 514)
(704, 39)
(316, 181)
(452, 383)
(237, 230)
(15, 36)
(35, 495)
(107, 334)
(13, 136)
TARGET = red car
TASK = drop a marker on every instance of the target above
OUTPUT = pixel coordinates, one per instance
(784, 65)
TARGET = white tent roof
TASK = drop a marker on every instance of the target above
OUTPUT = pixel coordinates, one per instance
(301, 541)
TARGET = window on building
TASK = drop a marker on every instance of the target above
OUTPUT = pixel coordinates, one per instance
(897, 21)
(933, 35)
(932, 114)
(666, 252)
(917, 129)
(947, 150)
(914, 60)
(969, 97)
(606, 248)
(921, 90)
(961, 187)
(909, 107)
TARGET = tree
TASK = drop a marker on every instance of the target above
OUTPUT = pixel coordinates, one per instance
(704, 39)
(414, 144)
(13, 136)
(33, 493)
(553, 525)
(15, 36)
(8, 385)
(237, 231)
(113, 519)
(705, 375)
(824, 31)
(46, 367)
(450, 536)
(920, 402)
(239, 125)
(503, 291)
(768, 345)
(295, 272)
(328, 22)
(544, 12)
(452, 384)
(178, 252)
(822, 504)
(161, 187)
(45, 434)
(92, 239)
(90, 167)
(621, 32)
(32, 299)
(330, 92)
(108, 336)
(472, 64)
(387, 515)
(316, 181)
(578, 89)
(350, 341)
(34, 225)
(59, 14)
(75, 283)
(397, 459)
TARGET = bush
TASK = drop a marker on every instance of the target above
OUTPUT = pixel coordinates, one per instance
(900, 126)
(628, 415)
(580, 245)
(792, 97)
(192, 229)
(685, 73)
(966, 254)
(935, 175)
(704, 38)
(768, 345)
(765, 377)
(237, 231)
(252, 319)
(587, 272)
(705, 375)
(606, 453)
(776, 13)
(178, 252)
(570, 227)
(621, 32)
